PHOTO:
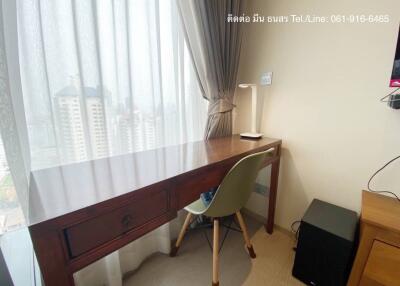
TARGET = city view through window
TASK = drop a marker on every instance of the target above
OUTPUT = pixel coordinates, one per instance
(81, 131)
(11, 216)
(84, 123)
(120, 82)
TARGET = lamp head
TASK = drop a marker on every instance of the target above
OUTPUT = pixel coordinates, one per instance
(246, 85)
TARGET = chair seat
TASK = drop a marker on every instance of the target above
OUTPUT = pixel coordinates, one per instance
(197, 207)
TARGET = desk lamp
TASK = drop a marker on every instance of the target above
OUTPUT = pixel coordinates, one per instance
(253, 134)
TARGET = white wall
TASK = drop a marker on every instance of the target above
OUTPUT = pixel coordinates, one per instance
(324, 100)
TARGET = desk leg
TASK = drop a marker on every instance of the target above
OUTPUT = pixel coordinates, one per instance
(272, 196)
(49, 252)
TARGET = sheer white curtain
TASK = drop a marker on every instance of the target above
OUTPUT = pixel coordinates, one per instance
(101, 78)
(105, 77)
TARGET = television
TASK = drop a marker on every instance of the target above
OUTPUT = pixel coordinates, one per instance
(395, 80)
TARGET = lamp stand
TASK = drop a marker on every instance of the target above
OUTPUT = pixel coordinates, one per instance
(253, 134)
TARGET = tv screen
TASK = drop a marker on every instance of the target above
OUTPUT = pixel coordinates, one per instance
(395, 80)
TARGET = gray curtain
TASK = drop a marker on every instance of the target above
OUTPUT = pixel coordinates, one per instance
(214, 44)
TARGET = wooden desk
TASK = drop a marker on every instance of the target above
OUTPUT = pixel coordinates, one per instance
(378, 256)
(81, 212)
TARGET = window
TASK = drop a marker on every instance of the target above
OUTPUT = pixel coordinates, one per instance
(116, 68)
(11, 216)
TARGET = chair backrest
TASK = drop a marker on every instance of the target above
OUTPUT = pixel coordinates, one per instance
(237, 186)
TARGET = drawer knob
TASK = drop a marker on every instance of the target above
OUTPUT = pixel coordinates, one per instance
(126, 220)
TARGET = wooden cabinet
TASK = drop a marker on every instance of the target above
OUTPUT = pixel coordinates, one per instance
(378, 257)
(382, 266)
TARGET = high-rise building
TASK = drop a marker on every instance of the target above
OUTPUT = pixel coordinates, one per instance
(149, 130)
(96, 123)
(125, 131)
(131, 131)
(82, 132)
(70, 129)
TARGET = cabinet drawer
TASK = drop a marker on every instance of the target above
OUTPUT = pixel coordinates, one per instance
(89, 234)
(383, 265)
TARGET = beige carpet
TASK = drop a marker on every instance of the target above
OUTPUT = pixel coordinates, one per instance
(192, 266)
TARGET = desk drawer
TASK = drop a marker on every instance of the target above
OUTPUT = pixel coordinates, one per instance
(89, 234)
(192, 185)
(383, 265)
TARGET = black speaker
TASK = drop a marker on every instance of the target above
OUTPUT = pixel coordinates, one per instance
(394, 101)
(326, 245)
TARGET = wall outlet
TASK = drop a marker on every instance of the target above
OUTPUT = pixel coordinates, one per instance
(266, 78)
(261, 189)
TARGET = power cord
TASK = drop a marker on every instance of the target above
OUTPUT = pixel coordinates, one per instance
(382, 192)
(383, 99)
(295, 231)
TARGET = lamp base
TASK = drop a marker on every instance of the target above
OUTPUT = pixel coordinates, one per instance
(250, 135)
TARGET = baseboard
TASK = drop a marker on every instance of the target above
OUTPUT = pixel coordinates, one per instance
(263, 220)
(253, 215)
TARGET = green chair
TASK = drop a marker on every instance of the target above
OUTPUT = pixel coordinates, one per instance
(230, 197)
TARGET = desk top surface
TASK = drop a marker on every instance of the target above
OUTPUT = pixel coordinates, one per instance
(381, 211)
(60, 190)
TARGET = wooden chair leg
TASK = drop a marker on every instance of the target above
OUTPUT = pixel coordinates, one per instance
(174, 248)
(215, 280)
(245, 235)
